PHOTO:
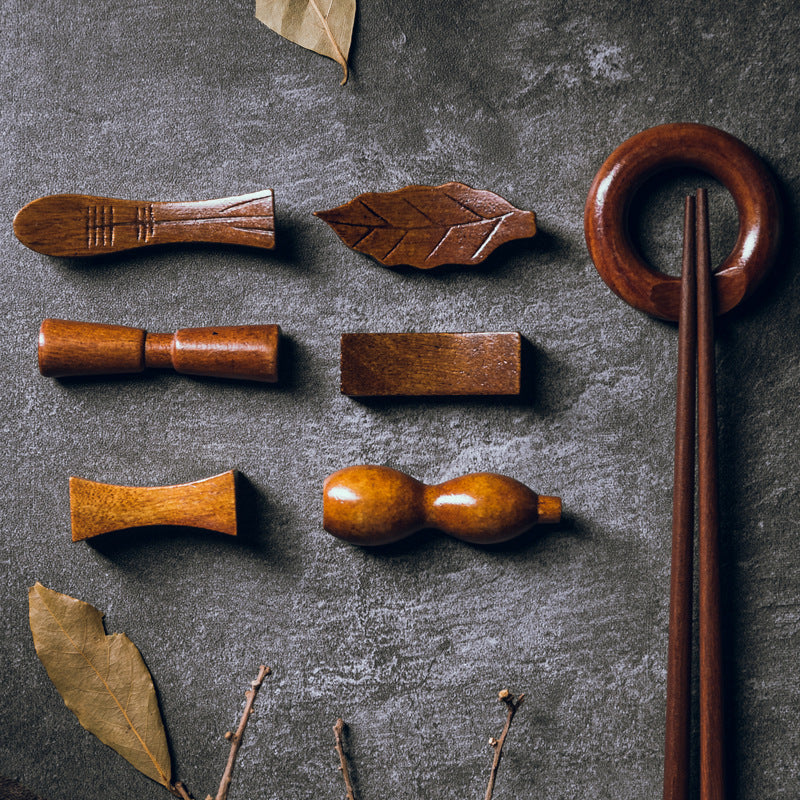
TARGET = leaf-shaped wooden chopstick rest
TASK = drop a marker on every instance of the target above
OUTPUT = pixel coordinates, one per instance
(102, 679)
(324, 27)
(101, 507)
(77, 225)
(426, 226)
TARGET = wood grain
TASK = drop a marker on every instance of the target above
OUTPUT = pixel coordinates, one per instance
(374, 505)
(427, 226)
(430, 364)
(679, 653)
(78, 225)
(721, 155)
(245, 352)
(98, 508)
(712, 728)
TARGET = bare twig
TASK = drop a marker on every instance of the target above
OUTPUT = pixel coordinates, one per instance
(338, 731)
(179, 790)
(512, 704)
(236, 738)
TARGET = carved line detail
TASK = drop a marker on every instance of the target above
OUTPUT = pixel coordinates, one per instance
(257, 200)
(100, 222)
(145, 223)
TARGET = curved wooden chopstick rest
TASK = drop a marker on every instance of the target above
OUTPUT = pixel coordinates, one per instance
(728, 160)
(77, 225)
(244, 352)
(372, 505)
(97, 508)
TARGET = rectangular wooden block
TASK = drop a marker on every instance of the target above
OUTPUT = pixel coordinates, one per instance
(430, 364)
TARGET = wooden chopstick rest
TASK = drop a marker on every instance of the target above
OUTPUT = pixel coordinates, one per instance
(682, 144)
(372, 505)
(432, 364)
(78, 225)
(97, 508)
(247, 352)
(426, 226)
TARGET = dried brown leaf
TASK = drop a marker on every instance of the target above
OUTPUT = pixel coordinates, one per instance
(102, 679)
(426, 226)
(324, 26)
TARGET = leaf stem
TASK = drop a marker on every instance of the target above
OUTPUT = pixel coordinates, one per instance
(338, 731)
(340, 57)
(236, 738)
(512, 705)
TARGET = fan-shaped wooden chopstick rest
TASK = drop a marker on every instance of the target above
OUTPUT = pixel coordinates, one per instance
(724, 157)
(247, 352)
(371, 505)
(101, 507)
(432, 364)
(426, 226)
(84, 225)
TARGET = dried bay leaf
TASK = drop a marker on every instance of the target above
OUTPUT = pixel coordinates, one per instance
(426, 226)
(324, 26)
(102, 679)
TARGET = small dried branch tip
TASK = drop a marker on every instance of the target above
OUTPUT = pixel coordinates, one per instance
(236, 738)
(512, 705)
(510, 701)
(179, 790)
(338, 733)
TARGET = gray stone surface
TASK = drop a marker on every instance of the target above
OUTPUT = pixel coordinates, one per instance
(166, 100)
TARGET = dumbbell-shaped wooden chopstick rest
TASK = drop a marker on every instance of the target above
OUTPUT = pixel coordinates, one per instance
(371, 505)
(247, 352)
(77, 225)
(98, 508)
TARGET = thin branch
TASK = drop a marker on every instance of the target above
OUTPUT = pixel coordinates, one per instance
(179, 790)
(338, 731)
(236, 738)
(512, 704)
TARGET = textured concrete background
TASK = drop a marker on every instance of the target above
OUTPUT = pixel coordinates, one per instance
(167, 100)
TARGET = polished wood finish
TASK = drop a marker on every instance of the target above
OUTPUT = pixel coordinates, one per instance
(80, 225)
(696, 338)
(679, 655)
(246, 352)
(419, 364)
(712, 730)
(101, 508)
(427, 226)
(372, 505)
(682, 144)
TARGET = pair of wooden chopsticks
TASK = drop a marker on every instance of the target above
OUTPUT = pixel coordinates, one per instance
(696, 376)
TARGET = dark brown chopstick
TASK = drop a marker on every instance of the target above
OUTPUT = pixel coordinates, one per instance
(712, 783)
(676, 740)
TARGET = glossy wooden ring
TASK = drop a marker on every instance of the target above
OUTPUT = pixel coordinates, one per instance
(721, 155)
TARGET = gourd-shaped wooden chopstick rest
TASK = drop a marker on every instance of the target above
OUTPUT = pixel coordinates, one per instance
(247, 352)
(78, 225)
(101, 507)
(430, 364)
(426, 226)
(370, 505)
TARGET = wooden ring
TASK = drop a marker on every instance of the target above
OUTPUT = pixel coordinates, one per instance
(721, 155)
